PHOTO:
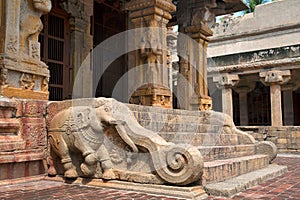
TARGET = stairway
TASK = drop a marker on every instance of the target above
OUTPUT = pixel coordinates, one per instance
(227, 152)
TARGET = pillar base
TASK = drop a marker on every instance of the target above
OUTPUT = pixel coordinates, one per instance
(201, 103)
(152, 95)
(24, 78)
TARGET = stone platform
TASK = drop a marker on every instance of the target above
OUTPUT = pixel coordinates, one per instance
(282, 187)
(23, 138)
(229, 155)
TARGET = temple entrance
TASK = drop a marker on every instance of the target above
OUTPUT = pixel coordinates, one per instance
(259, 106)
(55, 40)
(109, 20)
(296, 96)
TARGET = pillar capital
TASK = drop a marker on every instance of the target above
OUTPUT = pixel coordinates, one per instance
(150, 9)
(197, 17)
(224, 81)
(275, 77)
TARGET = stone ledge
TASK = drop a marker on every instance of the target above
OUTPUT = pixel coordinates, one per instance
(232, 186)
(22, 156)
(21, 180)
(192, 192)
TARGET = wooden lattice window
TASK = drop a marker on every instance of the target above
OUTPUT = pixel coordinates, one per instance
(55, 41)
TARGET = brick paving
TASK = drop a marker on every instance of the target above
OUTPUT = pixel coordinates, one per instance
(286, 186)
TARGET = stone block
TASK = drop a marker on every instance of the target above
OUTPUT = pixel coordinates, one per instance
(281, 141)
(36, 168)
(34, 108)
(34, 132)
(5, 171)
(19, 170)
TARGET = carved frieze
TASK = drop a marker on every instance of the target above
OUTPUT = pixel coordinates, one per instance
(27, 81)
(23, 74)
(12, 44)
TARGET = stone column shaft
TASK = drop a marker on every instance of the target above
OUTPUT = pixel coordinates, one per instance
(275, 79)
(150, 84)
(243, 108)
(225, 82)
(81, 44)
(227, 101)
(195, 19)
(276, 114)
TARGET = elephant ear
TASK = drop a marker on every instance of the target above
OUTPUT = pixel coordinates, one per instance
(83, 118)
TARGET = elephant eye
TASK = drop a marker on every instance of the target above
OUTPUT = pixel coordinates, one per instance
(106, 109)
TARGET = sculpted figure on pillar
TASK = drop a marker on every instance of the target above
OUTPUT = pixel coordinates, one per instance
(151, 52)
(31, 25)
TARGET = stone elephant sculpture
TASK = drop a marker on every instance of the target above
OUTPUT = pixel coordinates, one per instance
(80, 130)
(78, 126)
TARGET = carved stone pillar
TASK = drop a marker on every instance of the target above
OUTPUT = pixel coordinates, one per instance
(275, 79)
(195, 19)
(225, 82)
(152, 73)
(81, 44)
(23, 74)
(171, 37)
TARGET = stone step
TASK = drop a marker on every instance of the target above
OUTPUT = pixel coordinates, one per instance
(167, 126)
(201, 139)
(211, 153)
(220, 170)
(237, 184)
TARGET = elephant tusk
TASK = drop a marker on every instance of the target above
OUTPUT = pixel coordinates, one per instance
(126, 138)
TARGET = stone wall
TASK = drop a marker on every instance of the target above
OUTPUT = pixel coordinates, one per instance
(271, 25)
(286, 138)
(290, 53)
(22, 138)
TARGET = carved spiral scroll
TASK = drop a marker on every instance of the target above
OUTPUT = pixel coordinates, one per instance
(180, 164)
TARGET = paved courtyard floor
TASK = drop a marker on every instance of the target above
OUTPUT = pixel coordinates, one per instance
(286, 186)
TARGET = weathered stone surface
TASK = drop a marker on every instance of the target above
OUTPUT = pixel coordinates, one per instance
(105, 130)
(23, 75)
(286, 138)
(277, 32)
(22, 138)
(232, 186)
(152, 87)
(221, 170)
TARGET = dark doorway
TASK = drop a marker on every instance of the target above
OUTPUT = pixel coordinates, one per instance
(109, 20)
(55, 40)
(296, 100)
(259, 106)
(236, 108)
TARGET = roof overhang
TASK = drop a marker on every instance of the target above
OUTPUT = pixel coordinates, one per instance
(229, 6)
(223, 7)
